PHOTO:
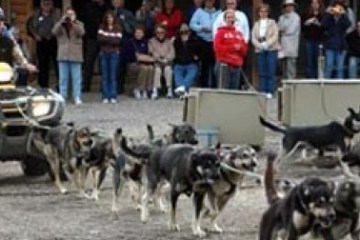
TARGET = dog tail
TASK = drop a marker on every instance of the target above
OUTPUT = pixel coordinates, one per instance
(271, 126)
(270, 189)
(131, 152)
(150, 131)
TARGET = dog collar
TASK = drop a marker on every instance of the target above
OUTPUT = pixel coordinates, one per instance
(348, 131)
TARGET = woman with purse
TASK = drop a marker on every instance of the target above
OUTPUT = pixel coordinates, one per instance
(265, 38)
(139, 62)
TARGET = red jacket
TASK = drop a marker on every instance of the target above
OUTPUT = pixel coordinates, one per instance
(226, 39)
(174, 21)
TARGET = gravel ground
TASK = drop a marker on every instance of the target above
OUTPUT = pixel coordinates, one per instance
(32, 209)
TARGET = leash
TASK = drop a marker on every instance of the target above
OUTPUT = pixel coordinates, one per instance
(240, 172)
(30, 120)
(290, 153)
(262, 104)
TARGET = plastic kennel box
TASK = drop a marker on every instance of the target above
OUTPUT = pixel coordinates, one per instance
(234, 113)
(312, 102)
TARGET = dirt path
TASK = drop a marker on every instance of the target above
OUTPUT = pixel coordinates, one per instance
(32, 209)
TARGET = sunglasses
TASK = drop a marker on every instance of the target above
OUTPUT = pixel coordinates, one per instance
(160, 32)
(184, 32)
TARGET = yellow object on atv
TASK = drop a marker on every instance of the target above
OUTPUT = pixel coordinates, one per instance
(6, 76)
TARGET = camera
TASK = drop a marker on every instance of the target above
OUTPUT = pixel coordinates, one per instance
(67, 19)
(262, 39)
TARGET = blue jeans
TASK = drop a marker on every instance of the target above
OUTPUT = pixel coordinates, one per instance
(109, 71)
(353, 67)
(334, 58)
(312, 54)
(185, 75)
(266, 62)
(228, 76)
(69, 69)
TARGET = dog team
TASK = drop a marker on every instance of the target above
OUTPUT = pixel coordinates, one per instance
(159, 170)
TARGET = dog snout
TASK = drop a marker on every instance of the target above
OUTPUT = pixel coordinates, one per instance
(253, 164)
(88, 142)
(332, 216)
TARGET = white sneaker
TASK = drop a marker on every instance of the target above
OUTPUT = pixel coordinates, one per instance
(77, 101)
(269, 96)
(144, 94)
(169, 94)
(113, 100)
(105, 100)
(154, 94)
(137, 94)
(180, 90)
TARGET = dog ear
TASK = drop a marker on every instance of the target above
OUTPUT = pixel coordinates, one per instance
(352, 111)
(70, 124)
(306, 190)
(118, 131)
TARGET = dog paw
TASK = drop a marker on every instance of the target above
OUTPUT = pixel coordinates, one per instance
(144, 216)
(114, 209)
(63, 191)
(95, 196)
(199, 232)
(174, 227)
(216, 229)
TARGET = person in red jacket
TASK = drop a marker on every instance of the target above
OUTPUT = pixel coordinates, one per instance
(171, 18)
(230, 50)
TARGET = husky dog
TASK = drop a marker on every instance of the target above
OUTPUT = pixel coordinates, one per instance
(309, 202)
(182, 133)
(319, 137)
(66, 147)
(127, 169)
(347, 208)
(188, 170)
(236, 161)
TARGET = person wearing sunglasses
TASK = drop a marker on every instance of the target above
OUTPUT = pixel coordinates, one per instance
(186, 60)
(162, 50)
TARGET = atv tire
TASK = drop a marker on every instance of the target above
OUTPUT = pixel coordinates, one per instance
(33, 167)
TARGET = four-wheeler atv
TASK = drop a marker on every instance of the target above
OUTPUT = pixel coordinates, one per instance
(20, 109)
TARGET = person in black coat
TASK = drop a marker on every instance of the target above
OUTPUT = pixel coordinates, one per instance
(353, 48)
(186, 60)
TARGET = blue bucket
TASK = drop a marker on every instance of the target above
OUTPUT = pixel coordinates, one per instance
(207, 137)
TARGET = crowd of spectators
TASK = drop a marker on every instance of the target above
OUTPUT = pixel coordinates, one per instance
(166, 48)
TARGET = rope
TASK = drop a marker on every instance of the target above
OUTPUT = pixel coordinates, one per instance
(30, 120)
(240, 172)
(261, 103)
(290, 153)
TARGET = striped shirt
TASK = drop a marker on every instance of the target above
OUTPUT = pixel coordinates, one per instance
(109, 40)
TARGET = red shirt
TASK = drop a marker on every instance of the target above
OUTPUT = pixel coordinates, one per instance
(226, 39)
(173, 20)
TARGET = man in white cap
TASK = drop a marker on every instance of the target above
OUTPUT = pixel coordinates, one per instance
(289, 26)
(241, 21)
